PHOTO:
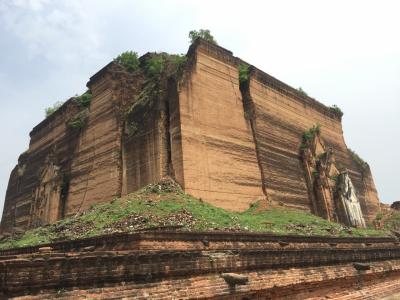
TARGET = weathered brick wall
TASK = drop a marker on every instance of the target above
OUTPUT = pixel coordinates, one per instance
(218, 152)
(221, 164)
(280, 123)
(214, 240)
(89, 158)
(51, 141)
(198, 132)
(369, 286)
(187, 273)
(96, 165)
(146, 153)
(282, 115)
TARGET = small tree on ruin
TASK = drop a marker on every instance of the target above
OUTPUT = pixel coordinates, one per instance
(205, 34)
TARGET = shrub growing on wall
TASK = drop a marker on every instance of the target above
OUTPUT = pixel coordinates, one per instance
(50, 110)
(205, 34)
(336, 110)
(362, 163)
(84, 99)
(164, 64)
(129, 60)
(309, 135)
(244, 73)
(155, 65)
(302, 92)
(178, 62)
(79, 120)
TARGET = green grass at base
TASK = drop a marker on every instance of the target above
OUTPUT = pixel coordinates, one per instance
(162, 208)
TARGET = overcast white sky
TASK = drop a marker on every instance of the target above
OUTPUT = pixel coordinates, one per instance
(340, 52)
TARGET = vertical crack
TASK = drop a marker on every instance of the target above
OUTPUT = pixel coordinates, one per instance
(249, 108)
(169, 167)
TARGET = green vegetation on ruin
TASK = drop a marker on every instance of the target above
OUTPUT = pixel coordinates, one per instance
(82, 100)
(78, 121)
(392, 222)
(362, 163)
(308, 135)
(336, 110)
(205, 34)
(158, 68)
(244, 73)
(164, 205)
(155, 65)
(164, 65)
(50, 110)
(302, 92)
(129, 60)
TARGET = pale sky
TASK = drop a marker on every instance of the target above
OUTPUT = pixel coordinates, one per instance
(340, 52)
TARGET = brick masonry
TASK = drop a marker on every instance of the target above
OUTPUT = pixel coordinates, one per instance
(197, 133)
(162, 266)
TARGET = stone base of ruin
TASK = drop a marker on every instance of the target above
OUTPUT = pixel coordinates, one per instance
(204, 265)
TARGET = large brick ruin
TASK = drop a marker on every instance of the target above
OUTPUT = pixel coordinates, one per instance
(228, 142)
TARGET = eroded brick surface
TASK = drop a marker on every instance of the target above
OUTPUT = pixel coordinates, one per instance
(198, 131)
(178, 272)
